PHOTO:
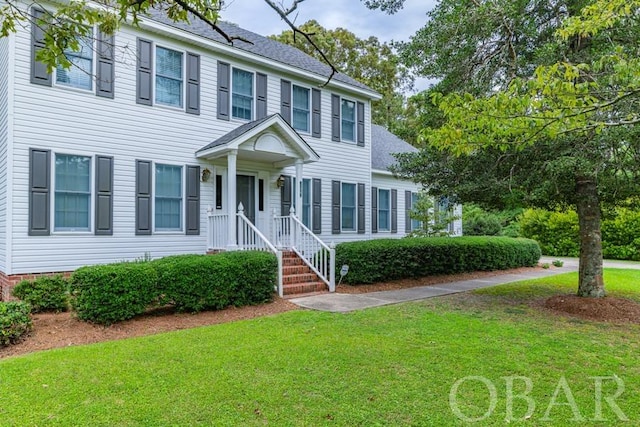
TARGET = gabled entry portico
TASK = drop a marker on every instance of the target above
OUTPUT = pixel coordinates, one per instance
(269, 144)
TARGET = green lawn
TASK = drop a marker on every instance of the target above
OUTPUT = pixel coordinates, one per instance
(394, 365)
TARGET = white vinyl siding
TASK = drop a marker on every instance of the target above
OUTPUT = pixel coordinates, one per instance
(384, 210)
(348, 120)
(301, 101)
(168, 198)
(72, 197)
(79, 75)
(241, 94)
(348, 206)
(169, 77)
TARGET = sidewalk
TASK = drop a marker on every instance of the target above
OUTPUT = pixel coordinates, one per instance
(343, 303)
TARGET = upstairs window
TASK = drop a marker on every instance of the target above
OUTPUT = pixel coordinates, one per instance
(301, 110)
(169, 78)
(79, 75)
(348, 120)
(168, 207)
(72, 193)
(242, 94)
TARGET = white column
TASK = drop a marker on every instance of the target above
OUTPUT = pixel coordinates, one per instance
(298, 194)
(231, 198)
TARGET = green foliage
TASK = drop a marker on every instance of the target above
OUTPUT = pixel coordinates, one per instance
(200, 282)
(557, 232)
(45, 293)
(546, 265)
(15, 321)
(557, 263)
(107, 294)
(389, 259)
(433, 221)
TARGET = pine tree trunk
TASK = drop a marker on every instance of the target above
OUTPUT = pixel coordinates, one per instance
(591, 283)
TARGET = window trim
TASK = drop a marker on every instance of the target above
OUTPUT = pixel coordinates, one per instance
(182, 200)
(388, 210)
(94, 60)
(52, 202)
(309, 108)
(355, 122)
(355, 207)
(154, 74)
(253, 94)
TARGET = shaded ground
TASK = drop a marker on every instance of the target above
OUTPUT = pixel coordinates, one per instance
(62, 329)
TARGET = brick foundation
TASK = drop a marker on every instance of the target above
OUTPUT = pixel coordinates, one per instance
(8, 282)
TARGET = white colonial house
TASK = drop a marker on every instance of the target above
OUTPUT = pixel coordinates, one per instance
(165, 139)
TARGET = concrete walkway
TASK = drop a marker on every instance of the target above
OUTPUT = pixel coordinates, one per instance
(343, 303)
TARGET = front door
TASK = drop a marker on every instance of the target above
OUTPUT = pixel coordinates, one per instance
(246, 194)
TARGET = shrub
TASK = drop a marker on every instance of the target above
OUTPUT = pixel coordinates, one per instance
(200, 282)
(557, 263)
(388, 259)
(111, 293)
(46, 293)
(15, 321)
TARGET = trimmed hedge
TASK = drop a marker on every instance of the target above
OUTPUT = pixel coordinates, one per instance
(46, 293)
(203, 282)
(15, 321)
(388, 259)
(111, 293)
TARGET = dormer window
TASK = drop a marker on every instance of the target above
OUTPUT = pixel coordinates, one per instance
(242, 94)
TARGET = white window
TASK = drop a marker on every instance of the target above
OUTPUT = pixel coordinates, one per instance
(72, 198)
(384, 210)
(169, 80)
(348, 120)
(242, 94)
(301, 110)
(415, 224)
(168, 198)
(348, 207)
(79, 75)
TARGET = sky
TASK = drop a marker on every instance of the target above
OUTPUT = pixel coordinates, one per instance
(257, 16)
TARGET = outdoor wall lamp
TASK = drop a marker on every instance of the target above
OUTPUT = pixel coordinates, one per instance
(206, 174)
(280, 181)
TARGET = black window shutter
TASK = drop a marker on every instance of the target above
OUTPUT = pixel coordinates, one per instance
(105, 67)
(104, 196)
(285, 196)
(39, 74)
(407, 211)
(224, 95)
(261, 96)
(145, 69)
(218, 191)
(361, 208)
(193, 84)
(285, 100)
(335, 117)
(143, 197)
(360, 120)
(316, 113)
(192, 207)
(39, 190)
(335, 207)
(316, 212)
(394, 211)
(374, 209)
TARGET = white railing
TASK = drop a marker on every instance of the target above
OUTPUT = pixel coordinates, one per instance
(251, 239)
(218, 237)
(290, 232)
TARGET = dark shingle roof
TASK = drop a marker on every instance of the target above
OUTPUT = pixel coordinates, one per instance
(259, 45)
(240, 130)
(383, 145)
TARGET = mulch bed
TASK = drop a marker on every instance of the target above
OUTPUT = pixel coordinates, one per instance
(607, 309)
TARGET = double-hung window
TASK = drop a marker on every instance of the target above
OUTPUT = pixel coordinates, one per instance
(169, 77)
(242, 94)
(168, 198)
(348, 207)
(384, 210)
(301, 109)
(348, 120)
(415, 224)
(72, 197)
(79, 75)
